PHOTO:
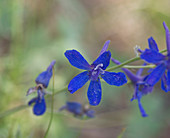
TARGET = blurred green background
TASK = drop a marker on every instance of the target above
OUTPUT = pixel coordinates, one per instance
(34, 32)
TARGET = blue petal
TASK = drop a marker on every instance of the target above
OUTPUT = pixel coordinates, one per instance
(78, 81)
(134, 78)
(146, 89)
(152, 56)
(90, 113)
(39, 107)
(168, 80)
(77, 60)
(50, 67)
(152, 44)
(164, 83)
(142, 111)
(32, 101)
(63, 107)
(138, 95)
(74, 107)
(44, 78)
(105, 47)
(103, 59)
(113, 78)
(156, 74)
(167, 37)
(94, 92)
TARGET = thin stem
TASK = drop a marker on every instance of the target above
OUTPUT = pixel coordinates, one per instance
(124, 63)
(52, 109)
(13, 110)
(137, 67)
(22, 107)
(128, 61)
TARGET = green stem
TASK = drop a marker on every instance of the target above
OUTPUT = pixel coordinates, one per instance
(22, 107)
(124, 63)
(14, 110)
(128, 61)
(137, 67)
(52, 109)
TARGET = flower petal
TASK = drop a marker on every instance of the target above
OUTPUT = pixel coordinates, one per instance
(90, 113)
(74, 107)
(155, 75)
(138, 95)
(146, 89)
(44, 78)
(39, 107)
(78, 81)
(77, 60)
(164, 83)
(167, 37)
(152, 56)
(113, 78)
(31, 90)
(152, 44)
(94, 92)
(106, 44)
(50, 67)
(32, 101)
(142, 111)
(103, 59)
(134, 78)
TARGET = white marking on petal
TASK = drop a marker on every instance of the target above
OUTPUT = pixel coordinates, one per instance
(98, 66)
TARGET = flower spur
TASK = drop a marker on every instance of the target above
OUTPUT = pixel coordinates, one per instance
(42, 82)
(93, 73)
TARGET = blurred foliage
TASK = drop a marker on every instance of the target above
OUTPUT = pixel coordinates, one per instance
(34, 32)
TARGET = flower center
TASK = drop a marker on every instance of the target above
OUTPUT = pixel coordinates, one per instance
(96, 71)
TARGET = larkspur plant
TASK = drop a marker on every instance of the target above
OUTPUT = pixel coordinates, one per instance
(143, 84)
(93, 73)
(78, 110)
(161, 61)
(42, 82)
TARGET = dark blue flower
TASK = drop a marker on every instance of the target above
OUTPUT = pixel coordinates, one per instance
(140, 86)
(78, 110)
(162, 62)
(44, 77)
(42, 82)
(94, 71)
(39, 107)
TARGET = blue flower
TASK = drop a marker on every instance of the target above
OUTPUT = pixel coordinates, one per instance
(40, 105)
(140, 86)
(93, 73)
(162, 62)
(78, 110)
(44, 77)
(42, 82)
